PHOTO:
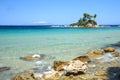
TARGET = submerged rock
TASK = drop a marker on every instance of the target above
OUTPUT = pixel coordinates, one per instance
(75, 67)
(4, 69)
(32, 57)
(94, 53)
(115, 54)
(83, 58)
(105, 58)
(116, 44)
(109, 49)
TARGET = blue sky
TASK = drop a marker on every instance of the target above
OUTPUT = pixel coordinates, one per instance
(32, 12)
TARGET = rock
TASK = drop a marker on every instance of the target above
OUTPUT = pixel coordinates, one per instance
(32, 57)
(116, 44)
(113, 73)
(58, 65)
(100, 73)
(94, 53)
(115, 54)
(26, 75)
(4, 69)
(98, 79)
(75, 67)
(83, 58)
(51, 76)
(66, 78)
(109, 49)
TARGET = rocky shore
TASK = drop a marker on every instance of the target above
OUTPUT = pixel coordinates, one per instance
(102, 64)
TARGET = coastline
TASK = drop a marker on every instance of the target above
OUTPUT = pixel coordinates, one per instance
(55, 45)
(98, 62)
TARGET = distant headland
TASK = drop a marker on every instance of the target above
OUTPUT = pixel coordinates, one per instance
(86, 21)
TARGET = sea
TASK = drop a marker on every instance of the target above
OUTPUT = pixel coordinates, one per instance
(56, 43)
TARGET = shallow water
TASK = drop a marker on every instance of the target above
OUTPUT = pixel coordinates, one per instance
(55, 43)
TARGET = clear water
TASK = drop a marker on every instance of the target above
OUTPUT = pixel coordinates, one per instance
(57, 43)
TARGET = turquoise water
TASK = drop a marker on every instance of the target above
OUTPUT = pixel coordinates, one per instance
(55, 43)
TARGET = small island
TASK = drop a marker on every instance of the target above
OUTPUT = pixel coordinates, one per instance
(86, 21)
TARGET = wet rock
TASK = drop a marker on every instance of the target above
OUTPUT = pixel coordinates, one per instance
(113, 73)
(32, 57)
(98, 79)
(100, 73)
(58, 65)
(51, 76)
(72, 77)
(115, 54)
(66, 78)
(83, 58)
(94, 53)
(116, 44)
(4, 69)
(109, 49)
(26, 75)
(75, 67)
(105, 58)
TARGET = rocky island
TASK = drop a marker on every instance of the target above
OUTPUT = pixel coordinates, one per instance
(86, 21)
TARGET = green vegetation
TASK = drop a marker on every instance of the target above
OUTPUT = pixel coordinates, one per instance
(86, 21)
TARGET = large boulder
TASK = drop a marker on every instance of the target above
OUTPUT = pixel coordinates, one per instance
(94, 53)
(83, 58)
(59, 65)
(75, 67)
(109, 49)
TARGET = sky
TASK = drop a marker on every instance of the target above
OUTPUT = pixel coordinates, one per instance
(35, 12)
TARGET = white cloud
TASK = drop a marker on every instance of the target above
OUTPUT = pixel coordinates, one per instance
(40, 22)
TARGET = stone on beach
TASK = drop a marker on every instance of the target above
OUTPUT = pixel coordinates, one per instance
(58, 65)
(98, 79)
(83, 58)
(51, 76)
(109, 49)
(75, 67)
(26, 75)
(100, 73)
(94, 53)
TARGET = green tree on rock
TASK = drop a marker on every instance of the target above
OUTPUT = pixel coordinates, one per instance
(86, 21)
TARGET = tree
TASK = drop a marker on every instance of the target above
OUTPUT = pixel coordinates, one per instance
(95, 16)
(87, 19)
